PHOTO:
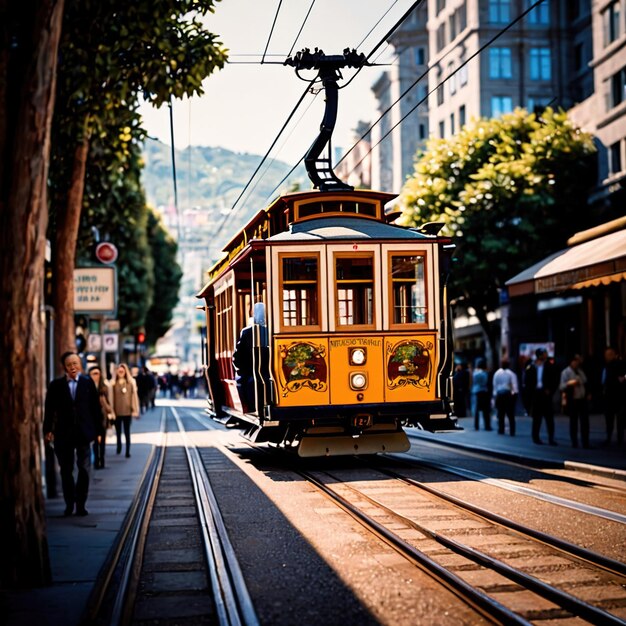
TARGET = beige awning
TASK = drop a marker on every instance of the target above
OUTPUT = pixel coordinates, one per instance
(592, 263)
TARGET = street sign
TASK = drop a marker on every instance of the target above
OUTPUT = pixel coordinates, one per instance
(95, 290)
(111, 326)
(106, 252)
(94, 342)
(111, 342)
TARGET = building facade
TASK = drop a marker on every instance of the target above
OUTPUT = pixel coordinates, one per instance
(603, 113)
(476, 65)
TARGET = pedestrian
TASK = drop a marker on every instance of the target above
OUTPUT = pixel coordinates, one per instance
(145, 388)
(108, 416)
(460, 389)
(614, 394)
(505, 390)
(480, 391)
(573, 388)
(125, 404)
(541, 380)
(71, 419)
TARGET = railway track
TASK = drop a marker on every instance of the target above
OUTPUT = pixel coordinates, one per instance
(509, 574)
(173, 562)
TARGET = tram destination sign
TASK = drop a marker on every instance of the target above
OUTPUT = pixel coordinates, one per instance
(95, 290)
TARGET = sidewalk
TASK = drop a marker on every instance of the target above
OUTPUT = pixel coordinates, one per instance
(79, 545)
(600, 459)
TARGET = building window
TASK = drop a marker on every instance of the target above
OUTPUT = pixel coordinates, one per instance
(615, 158)
(453, 26)
(499, 11)
(440, 94)
(463, 73)
(500, 65)
(354, 281)
(540, 15)
(419, 56)
(408, 289)
(442, 130)
(451, 79)
(611, 24)
(422, 131)
(441, 5)
(462, 16)
(441, 37)
(579, 57)
(501, 105)
(540, 64)
(618, 87)
(300, 285)
(452, 128)
(536, 104)
(462, 116)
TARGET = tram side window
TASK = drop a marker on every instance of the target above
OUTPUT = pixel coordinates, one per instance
(408, 289)
(354, 280)
(300, 282)
(225, 332)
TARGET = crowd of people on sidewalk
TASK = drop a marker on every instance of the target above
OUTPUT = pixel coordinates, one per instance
(540, 389)
(79, 409)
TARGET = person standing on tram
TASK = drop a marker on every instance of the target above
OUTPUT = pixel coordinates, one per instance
(249, 383)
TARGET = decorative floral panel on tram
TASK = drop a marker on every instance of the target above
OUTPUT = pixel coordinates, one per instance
(303, 366)
(410, 363)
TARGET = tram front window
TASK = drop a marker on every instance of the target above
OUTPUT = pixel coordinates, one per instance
(300, 285)
(408, 289)
(354, 278)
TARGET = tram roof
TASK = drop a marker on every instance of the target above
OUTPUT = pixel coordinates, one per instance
(320, 229)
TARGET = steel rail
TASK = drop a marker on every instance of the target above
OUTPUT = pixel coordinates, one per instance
(122, 551)
(526, 491)
(230, 592)
(612, 566)
(483, 603)
(563, 599)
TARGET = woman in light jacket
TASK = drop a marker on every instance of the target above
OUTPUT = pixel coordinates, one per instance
(125, 404)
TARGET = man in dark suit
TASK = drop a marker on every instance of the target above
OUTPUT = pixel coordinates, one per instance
(72, 414)
(251, 359)
(541, 381)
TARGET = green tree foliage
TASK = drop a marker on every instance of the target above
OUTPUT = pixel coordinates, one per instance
(114, 205)
(511, 190)
(167, 278)
(111, 54)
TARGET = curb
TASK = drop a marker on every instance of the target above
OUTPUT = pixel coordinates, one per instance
(596, 470)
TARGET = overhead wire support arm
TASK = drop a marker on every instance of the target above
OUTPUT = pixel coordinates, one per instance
(320, 169)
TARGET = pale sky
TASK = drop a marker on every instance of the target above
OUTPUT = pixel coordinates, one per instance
(245, 106)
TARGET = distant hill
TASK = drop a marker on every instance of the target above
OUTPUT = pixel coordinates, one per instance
(213, 178)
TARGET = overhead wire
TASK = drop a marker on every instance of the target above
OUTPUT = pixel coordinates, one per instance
(271, 30)
(434, 89)
(372, 52)
(384, 39)
(221, 226)
(306, 17)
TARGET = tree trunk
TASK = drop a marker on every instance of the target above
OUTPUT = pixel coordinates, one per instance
(30, 35)
(64, 251)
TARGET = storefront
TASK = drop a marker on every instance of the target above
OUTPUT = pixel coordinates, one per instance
(575, 298)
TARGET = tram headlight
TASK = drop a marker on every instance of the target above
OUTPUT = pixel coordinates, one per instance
(358, 380)
(357, 356)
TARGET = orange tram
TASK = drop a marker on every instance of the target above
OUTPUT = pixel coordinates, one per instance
(353, 340)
